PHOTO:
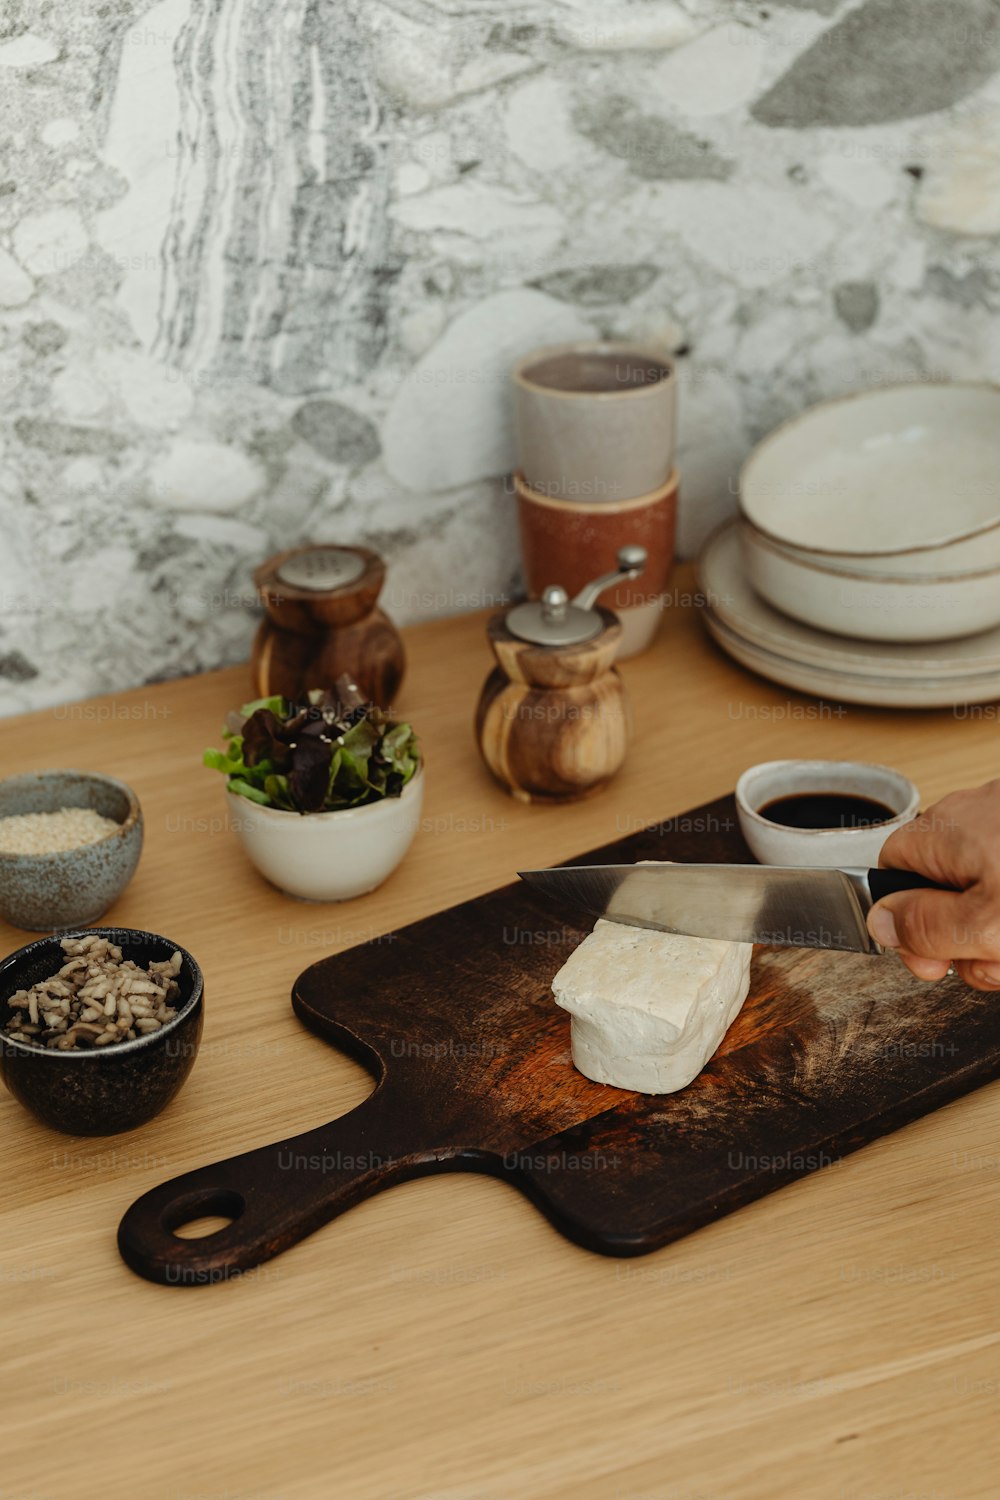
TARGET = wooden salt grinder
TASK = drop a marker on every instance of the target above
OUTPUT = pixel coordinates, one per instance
(553, 721)
(322, 621)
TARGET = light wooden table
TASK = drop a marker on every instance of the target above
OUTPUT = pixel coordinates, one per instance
(839, 1339)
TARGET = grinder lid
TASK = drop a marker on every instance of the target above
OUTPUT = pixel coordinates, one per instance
(557, 620)
(321, 569)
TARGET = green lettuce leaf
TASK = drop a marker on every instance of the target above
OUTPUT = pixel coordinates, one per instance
(252, 793)
(332, 752)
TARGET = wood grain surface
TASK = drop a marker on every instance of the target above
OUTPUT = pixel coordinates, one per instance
(311, 638)
(454, 1019)
(553, 722)
(839, 1339)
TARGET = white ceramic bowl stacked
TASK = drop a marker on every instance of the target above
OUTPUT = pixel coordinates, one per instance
(877, 516)
(865, 564)
(883, 674)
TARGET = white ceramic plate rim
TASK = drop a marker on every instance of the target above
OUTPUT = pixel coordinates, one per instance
(871, 692)
(860, 679)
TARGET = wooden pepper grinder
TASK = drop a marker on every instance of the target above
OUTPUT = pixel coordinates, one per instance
(322, 621)
(554, 721)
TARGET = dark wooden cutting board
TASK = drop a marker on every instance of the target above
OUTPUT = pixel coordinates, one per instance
(455, 1019)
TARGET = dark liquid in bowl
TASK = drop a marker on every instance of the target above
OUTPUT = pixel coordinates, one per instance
(826, 810)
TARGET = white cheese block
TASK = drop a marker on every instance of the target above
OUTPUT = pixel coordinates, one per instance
(649, 1009)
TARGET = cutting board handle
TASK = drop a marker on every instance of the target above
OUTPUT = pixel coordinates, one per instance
(274, 1196)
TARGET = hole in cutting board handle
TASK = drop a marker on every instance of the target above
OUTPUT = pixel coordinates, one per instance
(195, 1208)
(202, 1228)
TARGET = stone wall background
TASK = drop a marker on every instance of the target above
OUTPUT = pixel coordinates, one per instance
(263, 269)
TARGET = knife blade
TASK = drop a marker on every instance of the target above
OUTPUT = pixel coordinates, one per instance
(783, 908)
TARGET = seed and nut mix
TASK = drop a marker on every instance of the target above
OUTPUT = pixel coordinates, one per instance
(96, 999)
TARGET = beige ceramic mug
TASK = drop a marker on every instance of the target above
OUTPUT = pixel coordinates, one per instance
(595, 422)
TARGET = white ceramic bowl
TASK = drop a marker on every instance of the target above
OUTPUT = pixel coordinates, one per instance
(822, 848)
(870, 606)
(974, 554)
(956, 560)
(329, 856)
(908, 475)
(732, 602)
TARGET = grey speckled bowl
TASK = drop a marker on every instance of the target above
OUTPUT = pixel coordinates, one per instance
(105, 1090)
(41, 892)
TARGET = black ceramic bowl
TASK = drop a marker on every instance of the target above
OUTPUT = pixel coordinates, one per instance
(106, 1089)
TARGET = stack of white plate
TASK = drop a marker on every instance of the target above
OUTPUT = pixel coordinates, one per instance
(935, 675)
(866, 563)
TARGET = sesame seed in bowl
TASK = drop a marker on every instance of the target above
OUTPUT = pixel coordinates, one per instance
(69, 845)
(52, 832)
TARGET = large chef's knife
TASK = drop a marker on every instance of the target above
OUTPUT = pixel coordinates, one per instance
(785, 908)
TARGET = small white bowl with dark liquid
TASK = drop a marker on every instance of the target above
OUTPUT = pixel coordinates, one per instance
(822, 814)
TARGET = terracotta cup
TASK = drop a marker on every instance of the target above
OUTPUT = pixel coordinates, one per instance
(570, 544)
(594, 422)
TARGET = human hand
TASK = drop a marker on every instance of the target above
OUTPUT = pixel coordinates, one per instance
(955, 843)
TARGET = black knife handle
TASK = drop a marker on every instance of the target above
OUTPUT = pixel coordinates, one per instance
(888, 882)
